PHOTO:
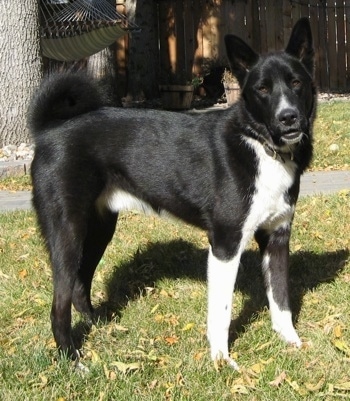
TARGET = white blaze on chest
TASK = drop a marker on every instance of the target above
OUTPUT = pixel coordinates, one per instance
(269, 207)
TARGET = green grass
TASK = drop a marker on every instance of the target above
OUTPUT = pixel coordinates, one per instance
(150, 290)
(332, 127)
(16, 183)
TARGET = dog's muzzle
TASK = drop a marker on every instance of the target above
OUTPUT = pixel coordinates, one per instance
(291, 138)
(289, 126)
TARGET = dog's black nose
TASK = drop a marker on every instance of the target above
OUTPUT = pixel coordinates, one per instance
(288, 117)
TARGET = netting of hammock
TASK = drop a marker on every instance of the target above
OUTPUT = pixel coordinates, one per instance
(80, 28)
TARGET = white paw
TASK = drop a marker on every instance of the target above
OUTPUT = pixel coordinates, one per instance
(289, 335)
(80, 367)
(220, 361)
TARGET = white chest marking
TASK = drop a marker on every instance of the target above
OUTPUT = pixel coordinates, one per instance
(269, 207)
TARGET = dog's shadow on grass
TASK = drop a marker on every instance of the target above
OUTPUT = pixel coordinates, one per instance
(181, 259)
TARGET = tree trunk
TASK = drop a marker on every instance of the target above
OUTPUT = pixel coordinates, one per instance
(143, 65)
(20, 66)
(102, 66)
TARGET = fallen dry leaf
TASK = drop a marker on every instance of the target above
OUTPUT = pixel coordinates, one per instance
(153, 384)
(263, 346)
(342, 346)
(279, 379)
(126, 367)
(338, 331)
(296, 387)
(188, 326)
(94, 356)
(163, 293)
(249, 378)
(315, 387)
(345, 386)
(180, 380)
(154, 308)
(120, 328)
(239, 389)
(199, 355)
(171, 340)
(23, 274)
(257, 367)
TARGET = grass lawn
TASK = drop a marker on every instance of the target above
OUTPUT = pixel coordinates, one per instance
(150, 293)
(332, 128)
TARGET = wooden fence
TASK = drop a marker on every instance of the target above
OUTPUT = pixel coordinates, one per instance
(190, 34)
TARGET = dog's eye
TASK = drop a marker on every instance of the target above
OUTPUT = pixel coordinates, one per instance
(296, 83)
(263, 89)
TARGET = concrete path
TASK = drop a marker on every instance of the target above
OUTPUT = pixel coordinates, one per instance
(314, 183)
(20, 200)
(324, 182)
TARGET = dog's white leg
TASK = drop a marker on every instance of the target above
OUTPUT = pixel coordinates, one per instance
(221, 281)
(278, 297)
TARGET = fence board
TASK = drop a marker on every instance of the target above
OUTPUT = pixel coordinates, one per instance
(240, 12)
(255, 16)
(249, 22)
(279, 31)
(296, 14)
(263, 27)
(347, 41)
(271, 28)
(190, 37)
(315, 35)
(332, 46)
(166, 40)
(323, 49)
(181, 69)
(198, 30)
(341, 45)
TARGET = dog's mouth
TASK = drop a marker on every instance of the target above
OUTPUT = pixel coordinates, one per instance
(290, 138)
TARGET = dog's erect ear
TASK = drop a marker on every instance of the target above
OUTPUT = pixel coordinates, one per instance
(300, 44)
(241, 56)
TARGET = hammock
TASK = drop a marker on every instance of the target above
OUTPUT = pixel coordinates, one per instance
(74, 29)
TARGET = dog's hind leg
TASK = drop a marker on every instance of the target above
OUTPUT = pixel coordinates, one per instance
(100, 231)
(274, 248)
(65, 244)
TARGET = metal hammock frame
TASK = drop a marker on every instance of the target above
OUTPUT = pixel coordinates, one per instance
(75, 29)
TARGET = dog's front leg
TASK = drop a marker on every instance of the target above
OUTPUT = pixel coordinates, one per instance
(221, 281)
(275, 253)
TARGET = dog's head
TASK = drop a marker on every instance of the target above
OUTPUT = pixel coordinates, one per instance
(278, 88)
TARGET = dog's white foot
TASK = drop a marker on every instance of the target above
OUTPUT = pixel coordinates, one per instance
(220, 360)
(289, 335)
(282, 323)
(219, 352)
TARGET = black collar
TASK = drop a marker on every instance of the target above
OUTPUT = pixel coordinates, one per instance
(275, 154)
(270, 149)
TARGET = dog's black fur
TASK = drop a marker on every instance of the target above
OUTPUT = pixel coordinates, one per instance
(211, 170)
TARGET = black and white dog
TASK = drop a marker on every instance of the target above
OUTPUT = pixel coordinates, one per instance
(235, 173)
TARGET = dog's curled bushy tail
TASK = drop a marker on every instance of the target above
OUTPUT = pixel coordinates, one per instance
(61, 97)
